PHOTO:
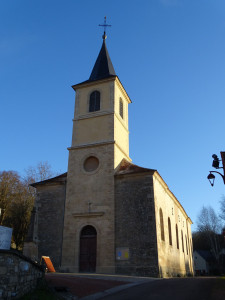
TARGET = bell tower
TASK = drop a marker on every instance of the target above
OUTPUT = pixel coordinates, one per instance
(100, 140)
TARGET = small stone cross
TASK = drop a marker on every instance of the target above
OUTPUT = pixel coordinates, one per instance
(89, 206)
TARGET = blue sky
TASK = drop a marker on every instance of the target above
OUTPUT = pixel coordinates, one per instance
(170, 57)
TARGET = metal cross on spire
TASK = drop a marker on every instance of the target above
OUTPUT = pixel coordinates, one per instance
(104, 25)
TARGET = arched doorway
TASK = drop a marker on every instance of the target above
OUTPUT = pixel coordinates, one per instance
(88, 249)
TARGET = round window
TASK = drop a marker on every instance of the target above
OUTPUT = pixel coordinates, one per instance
(91, 164)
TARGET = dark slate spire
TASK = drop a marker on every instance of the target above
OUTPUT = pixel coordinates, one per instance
(103, 67)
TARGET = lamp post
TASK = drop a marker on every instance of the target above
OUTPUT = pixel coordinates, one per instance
(216, 165)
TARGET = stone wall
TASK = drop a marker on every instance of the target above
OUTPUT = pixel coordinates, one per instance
(50, 219)
(18, 274)
(135, 225)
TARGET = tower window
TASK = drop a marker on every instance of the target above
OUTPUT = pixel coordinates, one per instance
(94, 103)
(121, 108)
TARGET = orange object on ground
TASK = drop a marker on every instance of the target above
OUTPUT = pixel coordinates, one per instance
(48, 263)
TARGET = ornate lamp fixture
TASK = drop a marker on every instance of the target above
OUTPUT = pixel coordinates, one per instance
(216, 165)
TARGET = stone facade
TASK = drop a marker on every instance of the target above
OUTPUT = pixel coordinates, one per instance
(120, 205)
(18, 275)
(90, 201)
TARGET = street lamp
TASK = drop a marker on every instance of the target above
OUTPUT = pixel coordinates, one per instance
(216, 165)
(211, 178)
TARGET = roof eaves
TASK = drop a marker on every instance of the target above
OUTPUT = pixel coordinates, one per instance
(50, 180)
(89, 82)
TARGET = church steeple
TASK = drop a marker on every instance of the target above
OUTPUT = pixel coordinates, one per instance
(103, 67)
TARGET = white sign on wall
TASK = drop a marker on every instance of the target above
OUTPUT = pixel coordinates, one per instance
(5, 237)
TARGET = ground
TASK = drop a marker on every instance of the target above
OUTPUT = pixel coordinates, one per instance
(109, 287)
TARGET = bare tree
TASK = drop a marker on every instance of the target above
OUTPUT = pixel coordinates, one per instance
(209, 224)
(41, 171)
(222, 208)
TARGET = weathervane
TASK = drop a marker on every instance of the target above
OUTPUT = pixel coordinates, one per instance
(104, 25)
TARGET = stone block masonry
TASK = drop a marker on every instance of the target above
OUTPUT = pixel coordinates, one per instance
(18, 274)
(135, 225)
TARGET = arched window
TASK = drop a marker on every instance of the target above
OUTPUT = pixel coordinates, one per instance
(182, 239)
(186, 244)
(94, 103)
(88, 231)
(121, 108)
(170, 232)
(177, 237)
(161, 225)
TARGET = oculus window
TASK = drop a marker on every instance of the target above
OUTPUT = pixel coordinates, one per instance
(91, 164)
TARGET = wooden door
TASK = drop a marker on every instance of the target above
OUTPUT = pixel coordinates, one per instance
(88, 248)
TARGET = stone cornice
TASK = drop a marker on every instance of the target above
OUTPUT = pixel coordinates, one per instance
(129, 159)
(90, 83)
(91, 145)
(123, 90)
(88, 214)
(93, 115)
(119, 119)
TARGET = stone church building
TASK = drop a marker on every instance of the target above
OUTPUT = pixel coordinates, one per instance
(106, 214)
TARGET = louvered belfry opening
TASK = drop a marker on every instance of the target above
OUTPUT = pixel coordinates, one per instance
(94, 104)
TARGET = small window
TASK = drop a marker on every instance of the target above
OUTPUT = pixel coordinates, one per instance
(94, 104)
(121, 108)
(161, 225)
(177, 237)
(170, 232)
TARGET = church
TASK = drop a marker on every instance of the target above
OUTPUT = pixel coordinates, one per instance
(106, 214)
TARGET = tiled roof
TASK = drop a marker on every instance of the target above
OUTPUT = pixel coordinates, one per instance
(59, 178)
(126, 167)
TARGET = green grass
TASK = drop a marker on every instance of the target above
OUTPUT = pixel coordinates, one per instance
(42, 292)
